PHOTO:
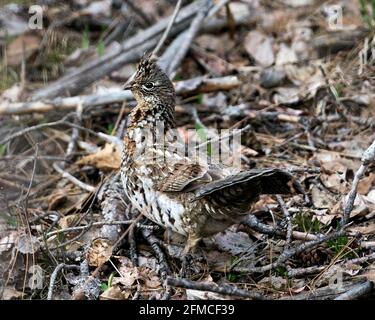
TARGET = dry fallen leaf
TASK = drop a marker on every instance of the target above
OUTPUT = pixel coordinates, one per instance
(368, 229)
(286, 55)
(28, 244)
(130, 275)
(234, 242)
(100, 251)
(8, 241)
(23, 46)
(115, 293)
(10, 293)
(69, 221)
(106, 159)
(259, 47)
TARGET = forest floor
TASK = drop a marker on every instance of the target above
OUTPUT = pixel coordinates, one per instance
(296, 77)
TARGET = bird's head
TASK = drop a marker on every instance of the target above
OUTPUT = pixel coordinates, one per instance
(151, 84)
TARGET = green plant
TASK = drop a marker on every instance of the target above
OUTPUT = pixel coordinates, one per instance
(110, 128)
(341, 246)
(306, 223)
(199, 98)
(2, 150)
(100, 47)
(368, 15)
(106, 286)
(282, 271)
(85, 38)
(232, 277)
(199, 128)
(9, 219)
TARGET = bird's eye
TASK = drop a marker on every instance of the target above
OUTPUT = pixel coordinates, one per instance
(148, 85)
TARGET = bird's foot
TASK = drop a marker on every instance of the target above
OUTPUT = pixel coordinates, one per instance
(186, 266)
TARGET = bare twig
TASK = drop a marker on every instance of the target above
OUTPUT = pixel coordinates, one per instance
(63, 121)
(189, 36)
(324, 293)
(225, 289)
(288, 253)
(288, 220)
(168, 29)
(33, 128)
(99, 223)
(72, 145)
(145, 19)
(54, 276)
(254, 223)
(367, 158)
(72, 179)
(301, 272)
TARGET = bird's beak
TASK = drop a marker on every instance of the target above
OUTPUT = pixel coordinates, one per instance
(128, 85)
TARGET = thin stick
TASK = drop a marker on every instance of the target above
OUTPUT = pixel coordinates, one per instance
(72, 145)
(33, 128)
(100, 223)
(291, 252)
(367, 158)
(146, 20)
(188, 38)
(54, 276)
(288, 220)
(72, 179)
(63, 121)
(168, 29)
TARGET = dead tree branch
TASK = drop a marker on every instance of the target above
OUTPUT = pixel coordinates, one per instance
(186, 87)
(224, 289)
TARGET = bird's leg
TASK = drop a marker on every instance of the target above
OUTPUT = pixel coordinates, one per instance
(191, 244)
(187, 258)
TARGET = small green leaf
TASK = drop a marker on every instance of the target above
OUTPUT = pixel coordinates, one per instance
(85, 38)
(200, 98)
(203, 136)
(100, 48)
(2, 150)
(110, 128)
(104, 287)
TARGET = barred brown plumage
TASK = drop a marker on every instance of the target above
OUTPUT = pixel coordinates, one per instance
(186, 194)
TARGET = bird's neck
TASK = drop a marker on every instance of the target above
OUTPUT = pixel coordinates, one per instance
(145, 121)
(148, 114)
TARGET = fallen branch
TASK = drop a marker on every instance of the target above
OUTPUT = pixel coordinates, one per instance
(225, 289)
(186, 87)
(357, 291)
(327, 292)
(129, 51)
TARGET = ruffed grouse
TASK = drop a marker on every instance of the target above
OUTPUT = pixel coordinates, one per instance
(187, 195)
